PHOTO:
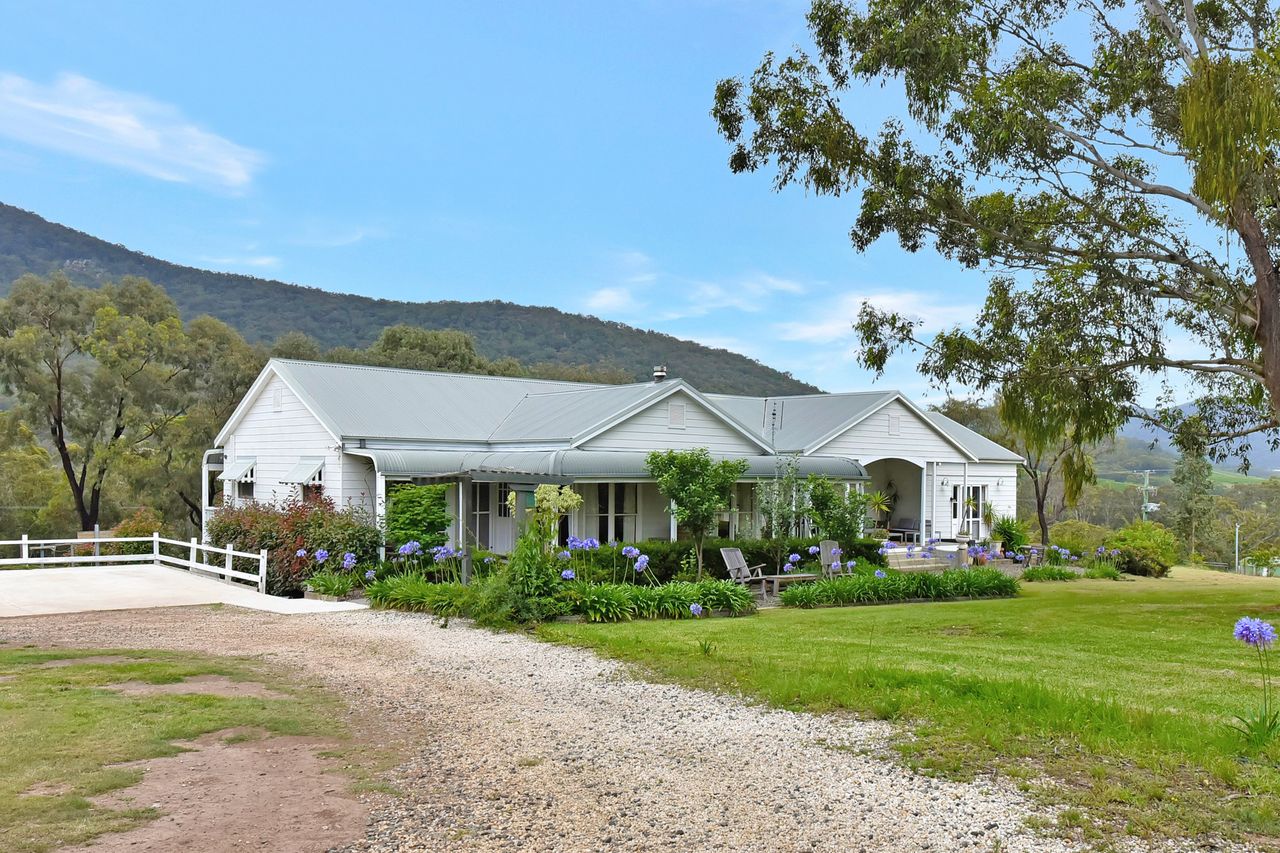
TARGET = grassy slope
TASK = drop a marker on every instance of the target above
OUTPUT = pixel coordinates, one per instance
(1118, 690)
(61, 732)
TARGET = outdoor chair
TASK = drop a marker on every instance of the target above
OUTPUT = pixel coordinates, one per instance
(827, 556)
(906, 527)
(739, 571)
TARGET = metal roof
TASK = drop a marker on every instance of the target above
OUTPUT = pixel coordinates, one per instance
(304, 470)
(981, 447)
(565, 465)
(236, 469)
(568, 413)
(795, 424)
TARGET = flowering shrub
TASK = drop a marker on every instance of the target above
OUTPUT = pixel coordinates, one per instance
(1259, 729)
(294, 535)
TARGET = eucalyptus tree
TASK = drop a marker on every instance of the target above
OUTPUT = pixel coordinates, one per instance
(1110, 164)
(106, 376)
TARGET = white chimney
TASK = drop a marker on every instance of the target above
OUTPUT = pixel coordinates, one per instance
(659, 372)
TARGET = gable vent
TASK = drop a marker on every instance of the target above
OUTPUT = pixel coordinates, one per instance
(895, 424)
(676, 415)
(277, 400)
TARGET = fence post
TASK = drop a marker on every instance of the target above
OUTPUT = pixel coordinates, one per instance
(26, 548)
(262, 571)
(228, 577)
(193, 553)
(97, 546)
(155, 547)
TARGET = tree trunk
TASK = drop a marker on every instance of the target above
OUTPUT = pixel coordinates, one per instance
(1266, 300)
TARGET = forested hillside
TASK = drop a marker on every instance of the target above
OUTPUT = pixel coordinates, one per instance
(263, 310)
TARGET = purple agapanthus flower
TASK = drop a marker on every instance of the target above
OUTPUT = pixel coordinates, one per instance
(568, 574)
(412, 548)
(574, 543)
(836, 552)
(642, 562)
(322, 555)
(590, 544)
(564, 555)
(370, 575)
(880, 573)
(813, 550)
(302, 552)
(793, 559)
(835, 566)
(1255, 632)
(695, 609)
(1018, 558)
(631, 552)
(348, 561)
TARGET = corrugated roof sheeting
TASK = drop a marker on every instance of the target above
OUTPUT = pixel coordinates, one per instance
(574, 464)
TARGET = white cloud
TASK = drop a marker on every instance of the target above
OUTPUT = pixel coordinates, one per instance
(833, 321)
(750, 293)
(610, 300)
(78, 116)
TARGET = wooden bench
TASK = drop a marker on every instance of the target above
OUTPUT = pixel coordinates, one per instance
(741, 573)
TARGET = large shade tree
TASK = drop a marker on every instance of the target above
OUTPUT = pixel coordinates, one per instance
(111, 380)
(1112, 165)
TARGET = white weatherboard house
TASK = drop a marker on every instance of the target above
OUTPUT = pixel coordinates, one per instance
(351, 432)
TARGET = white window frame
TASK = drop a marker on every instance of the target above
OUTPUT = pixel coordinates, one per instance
(613, 518)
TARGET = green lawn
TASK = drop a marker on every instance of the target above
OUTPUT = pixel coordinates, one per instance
(60, 731)
(1120, 691)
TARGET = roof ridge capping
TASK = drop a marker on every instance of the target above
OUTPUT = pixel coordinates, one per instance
(410, 370)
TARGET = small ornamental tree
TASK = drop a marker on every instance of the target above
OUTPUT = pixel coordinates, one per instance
(698, 486)
(839, 511)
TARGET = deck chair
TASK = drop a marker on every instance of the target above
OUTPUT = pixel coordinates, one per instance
(827, 556)
(739, 571)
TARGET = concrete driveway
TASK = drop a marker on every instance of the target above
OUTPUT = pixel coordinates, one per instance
(37, 592)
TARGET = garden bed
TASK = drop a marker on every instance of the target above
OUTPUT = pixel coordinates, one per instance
(893, 587)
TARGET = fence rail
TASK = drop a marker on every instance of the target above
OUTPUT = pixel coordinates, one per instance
(191, 556)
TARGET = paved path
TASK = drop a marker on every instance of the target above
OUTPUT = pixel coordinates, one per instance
(39, 592)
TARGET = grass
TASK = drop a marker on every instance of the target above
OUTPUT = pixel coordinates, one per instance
(1119, 692)
(61, 733)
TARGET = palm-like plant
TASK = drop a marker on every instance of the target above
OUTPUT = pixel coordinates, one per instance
(879, 503)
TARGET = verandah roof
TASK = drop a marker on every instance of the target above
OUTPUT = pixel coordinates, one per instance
(573, 464)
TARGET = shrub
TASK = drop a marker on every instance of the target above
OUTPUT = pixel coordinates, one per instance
(1049, 573)
(1078, 537)
(143, 522)
(605, 603)
(417, 514)
(337, 584)
(1146, 548)
(284, 531)
(1011, 532)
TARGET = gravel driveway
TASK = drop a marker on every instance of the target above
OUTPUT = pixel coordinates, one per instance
(520, 745)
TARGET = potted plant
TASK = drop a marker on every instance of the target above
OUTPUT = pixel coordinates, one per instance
(879, 505)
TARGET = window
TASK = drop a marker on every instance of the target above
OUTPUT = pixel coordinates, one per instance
(504, 500)
(611, 512)
(244, 490)
(312, 492)
(676, 415)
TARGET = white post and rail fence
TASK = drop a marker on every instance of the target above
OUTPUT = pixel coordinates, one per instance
(225, 564)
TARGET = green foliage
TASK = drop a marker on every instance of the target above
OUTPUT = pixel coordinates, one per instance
(337, 584)
(1146, 548)
(700, 487)
(866, 588)
(839, 513)
(1011, 531)
(1192, 486)
(1027, 168)
(265, 310)
(1049, 573)
(1079, 537)
(417, 513)
(604, 603)
(296, 525)
(1103, 571)
(143, 522)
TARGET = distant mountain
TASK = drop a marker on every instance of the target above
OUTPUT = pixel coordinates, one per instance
(262, 310)
(1263, 461)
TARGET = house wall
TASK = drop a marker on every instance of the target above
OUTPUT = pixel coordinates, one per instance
(1000, 479)
(901, 478)
(655, 521)
(359, 486)
(872, 439)
(278, 439)
(651, 430)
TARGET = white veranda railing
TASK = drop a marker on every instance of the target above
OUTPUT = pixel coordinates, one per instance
(225, 563)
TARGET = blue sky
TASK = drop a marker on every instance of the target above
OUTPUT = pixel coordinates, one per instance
(543, 153)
